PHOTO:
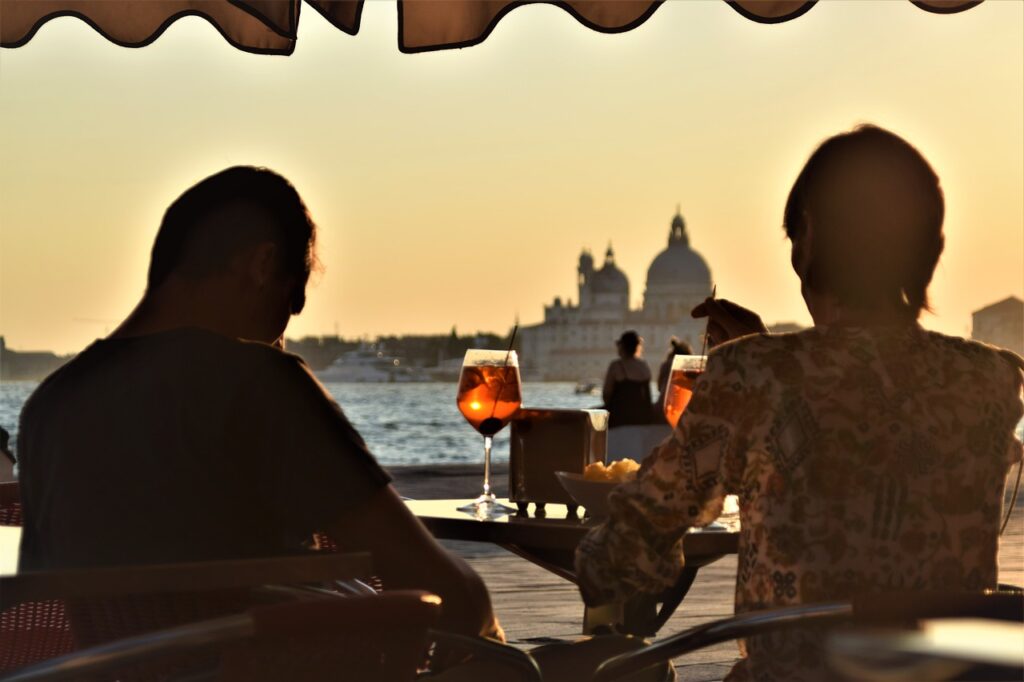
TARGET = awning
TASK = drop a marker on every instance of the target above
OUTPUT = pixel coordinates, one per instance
(270, 26)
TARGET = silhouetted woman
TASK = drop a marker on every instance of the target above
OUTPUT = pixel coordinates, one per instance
(869, 454)
(627, 384)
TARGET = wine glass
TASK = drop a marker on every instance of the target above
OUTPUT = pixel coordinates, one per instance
(685, 370)
(490, 392)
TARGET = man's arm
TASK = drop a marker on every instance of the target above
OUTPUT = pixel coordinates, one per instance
(406, 556)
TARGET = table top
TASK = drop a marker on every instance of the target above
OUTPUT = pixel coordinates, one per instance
(556, 529)
(10, 537)
(938, 649)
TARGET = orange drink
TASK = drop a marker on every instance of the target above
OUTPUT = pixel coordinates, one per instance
(489, 396)
(685, 371)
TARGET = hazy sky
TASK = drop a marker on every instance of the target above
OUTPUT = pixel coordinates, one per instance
(458, 187)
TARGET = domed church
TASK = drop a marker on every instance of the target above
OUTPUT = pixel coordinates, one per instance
(576, 342)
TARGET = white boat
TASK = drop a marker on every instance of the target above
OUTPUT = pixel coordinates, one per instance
(368, 366)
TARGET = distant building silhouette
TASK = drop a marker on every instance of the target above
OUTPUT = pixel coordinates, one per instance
(577, 342)
(27, 366)
(1001, 324)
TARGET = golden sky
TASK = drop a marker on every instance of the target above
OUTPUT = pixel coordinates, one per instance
(458, 187)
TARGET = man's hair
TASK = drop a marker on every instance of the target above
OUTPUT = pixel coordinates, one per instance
(876, 209)
(221, 216)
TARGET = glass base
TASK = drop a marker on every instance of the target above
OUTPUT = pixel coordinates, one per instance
(487, 507)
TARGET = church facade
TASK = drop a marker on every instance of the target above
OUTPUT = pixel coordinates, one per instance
(576, 342)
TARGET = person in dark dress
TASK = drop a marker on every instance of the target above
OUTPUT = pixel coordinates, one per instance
(627, 384)
(190, 435)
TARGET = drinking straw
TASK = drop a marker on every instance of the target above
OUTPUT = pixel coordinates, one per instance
(704, 345)
(508, 354)
(512, 340)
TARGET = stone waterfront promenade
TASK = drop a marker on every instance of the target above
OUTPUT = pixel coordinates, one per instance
(536, 607)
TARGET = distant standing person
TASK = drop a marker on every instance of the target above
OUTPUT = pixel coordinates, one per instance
(676, 347)
(627, 384)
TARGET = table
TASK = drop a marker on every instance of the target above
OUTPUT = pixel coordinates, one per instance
(939, 649)
(10, 538)
(550, 542)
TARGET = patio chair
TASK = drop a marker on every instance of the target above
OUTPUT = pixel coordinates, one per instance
(47, 614)
(380, 637)
(890, 609)
(31, 630)
(10, 504)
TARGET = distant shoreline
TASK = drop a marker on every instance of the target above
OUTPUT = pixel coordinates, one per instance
(443, 481)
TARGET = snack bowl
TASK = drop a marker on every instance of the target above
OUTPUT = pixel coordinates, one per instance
(593, 495)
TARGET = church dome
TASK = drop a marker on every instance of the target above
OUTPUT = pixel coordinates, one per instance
(609, 279)
(678, 265)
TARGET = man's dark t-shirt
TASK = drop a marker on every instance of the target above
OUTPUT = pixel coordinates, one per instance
(183, 446)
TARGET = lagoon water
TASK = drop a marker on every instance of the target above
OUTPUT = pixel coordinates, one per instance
(402, 423)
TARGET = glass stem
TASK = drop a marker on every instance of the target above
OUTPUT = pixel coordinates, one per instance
(487, 466)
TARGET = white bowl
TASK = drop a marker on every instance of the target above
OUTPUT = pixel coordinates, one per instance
(593, 495)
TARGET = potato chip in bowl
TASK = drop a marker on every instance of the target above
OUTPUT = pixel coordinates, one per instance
(591, 489)
(617, 472)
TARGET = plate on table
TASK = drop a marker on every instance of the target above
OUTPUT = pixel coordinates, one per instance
(592, 495)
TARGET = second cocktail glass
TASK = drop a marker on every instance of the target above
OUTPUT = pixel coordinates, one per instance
(490, 392)
(685, 371)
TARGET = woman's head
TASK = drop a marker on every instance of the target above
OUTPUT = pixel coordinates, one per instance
(865, 218)
(679, 347)
(629, 343)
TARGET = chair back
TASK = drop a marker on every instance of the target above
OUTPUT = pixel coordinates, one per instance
(30, 631)
(10, 504)
(317, 639)
(380, 637)
(46, 614)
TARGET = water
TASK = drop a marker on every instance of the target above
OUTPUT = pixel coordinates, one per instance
(402, 423)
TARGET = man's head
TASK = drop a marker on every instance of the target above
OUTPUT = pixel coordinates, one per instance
(246, 231)
(865, 218)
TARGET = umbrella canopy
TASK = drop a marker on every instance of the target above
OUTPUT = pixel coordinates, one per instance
(270, 26)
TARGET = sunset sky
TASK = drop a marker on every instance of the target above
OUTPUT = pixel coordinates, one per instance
(458, 187)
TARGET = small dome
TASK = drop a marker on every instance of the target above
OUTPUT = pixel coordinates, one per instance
(609, 279)
(679, 264)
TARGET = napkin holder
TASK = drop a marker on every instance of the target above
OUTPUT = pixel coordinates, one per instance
(544, 441)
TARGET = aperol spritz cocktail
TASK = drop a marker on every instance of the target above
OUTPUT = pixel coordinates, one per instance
(685, 371)
(490, 392)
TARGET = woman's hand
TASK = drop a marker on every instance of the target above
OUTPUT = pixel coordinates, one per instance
(727, 321)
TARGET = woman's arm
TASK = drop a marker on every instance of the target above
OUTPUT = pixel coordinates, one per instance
(611, 377)
(683, 483)
(728, 321)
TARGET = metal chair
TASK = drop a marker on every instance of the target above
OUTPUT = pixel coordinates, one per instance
(31, 630)
(48, 614)
(382, 637)
(10, 504)
(892, 609)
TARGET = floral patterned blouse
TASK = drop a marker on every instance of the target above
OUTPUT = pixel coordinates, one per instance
(864, 459)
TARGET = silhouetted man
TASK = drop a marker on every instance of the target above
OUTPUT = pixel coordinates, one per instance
(187, 435)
